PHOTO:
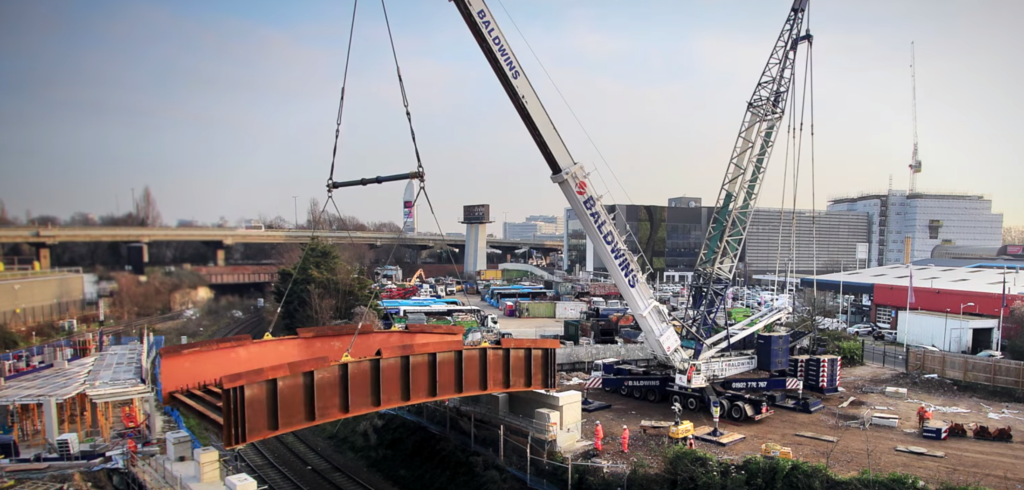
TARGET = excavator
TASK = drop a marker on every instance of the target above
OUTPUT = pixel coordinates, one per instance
(697, 366)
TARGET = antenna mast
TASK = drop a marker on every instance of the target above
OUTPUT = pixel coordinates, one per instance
(915, 161)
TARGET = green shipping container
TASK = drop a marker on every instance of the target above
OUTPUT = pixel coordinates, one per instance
(571, 331)
(538, 309)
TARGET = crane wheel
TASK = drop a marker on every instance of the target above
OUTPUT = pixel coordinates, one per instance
(638, 393)
(608, 390)
(692, 404)
(677, 399)
(624, 391)
(738, 412)
(652, 396)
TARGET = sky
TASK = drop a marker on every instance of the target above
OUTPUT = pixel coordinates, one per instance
(228, 108)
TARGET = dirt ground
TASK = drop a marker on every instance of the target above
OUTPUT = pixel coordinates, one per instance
(991, 464)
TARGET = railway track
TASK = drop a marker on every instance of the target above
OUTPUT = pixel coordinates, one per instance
(252, 324)
(268, 473)
(288, 462)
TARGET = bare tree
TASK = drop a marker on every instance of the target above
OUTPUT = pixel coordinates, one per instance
(838, 429)
(322, 305)
(6, 220)
(146, 210)
(1013, 235)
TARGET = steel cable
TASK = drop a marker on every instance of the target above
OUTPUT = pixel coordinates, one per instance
(341, 102)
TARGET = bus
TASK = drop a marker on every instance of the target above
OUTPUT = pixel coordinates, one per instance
(500, 297)
(398, 314)
(420, 302)
(489, 296)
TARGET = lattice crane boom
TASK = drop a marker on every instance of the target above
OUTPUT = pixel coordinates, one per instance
(727, 231)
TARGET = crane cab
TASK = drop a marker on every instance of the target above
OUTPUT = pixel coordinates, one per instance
(604, 367)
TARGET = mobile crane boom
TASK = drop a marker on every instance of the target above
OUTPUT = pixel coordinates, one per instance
(727, 232)
(571, 178)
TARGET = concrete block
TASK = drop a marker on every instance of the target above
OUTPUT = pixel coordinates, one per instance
(205, 455)
(498, 402)
(207, 472)
(572, 414)
(548, 416)
(240, 481)
(60, 364)
(179, 445)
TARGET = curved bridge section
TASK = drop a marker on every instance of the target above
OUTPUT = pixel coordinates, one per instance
(259, 389)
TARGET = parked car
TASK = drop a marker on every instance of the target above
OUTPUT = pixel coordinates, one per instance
(861, 329)
(884, 335)
(925, 347)
(994, 354)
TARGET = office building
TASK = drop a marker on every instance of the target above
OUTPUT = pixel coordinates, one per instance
(558, 223)
(825, 241)
(926, 220)
(669, 238)
(535, 228)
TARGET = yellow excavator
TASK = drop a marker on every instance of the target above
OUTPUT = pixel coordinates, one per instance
(418, 275)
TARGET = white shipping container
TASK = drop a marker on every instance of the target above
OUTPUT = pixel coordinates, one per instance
(948, 332)
(569, 310)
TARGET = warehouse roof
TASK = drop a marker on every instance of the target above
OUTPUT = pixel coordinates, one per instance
(969, 279)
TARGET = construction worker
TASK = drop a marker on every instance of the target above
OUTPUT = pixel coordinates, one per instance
(598, 436)
(921, 411)
(690, 443)
(625, 439)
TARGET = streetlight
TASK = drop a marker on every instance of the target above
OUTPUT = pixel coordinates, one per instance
(962, 315)
(295, 205)
(945, 327)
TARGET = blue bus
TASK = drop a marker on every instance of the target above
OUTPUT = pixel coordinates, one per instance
(500, 297)
(489, 296)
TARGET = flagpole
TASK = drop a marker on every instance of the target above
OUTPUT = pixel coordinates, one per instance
(910, 293)
(1002, 306)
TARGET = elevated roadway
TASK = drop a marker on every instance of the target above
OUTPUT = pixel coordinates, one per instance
(231, 236)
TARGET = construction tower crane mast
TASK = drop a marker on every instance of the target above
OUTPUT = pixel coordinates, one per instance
(571, 178)
(915, 159)
(727, 231)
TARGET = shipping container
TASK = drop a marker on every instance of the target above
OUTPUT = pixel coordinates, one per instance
(569, 309)
(571, 331)
(537, 309)
(489, 274)
(946, 331)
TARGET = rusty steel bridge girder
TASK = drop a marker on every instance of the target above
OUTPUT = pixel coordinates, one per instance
(392, 369)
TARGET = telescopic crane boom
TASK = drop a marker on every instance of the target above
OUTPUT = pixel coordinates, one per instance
(727, 231)
(653, 319)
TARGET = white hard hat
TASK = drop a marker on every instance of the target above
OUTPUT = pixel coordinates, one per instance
(598, 422)
(625, 427)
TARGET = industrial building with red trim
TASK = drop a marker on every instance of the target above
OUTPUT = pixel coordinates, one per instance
(975, 289)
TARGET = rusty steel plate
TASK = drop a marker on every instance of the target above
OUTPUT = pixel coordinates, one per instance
(269, 387)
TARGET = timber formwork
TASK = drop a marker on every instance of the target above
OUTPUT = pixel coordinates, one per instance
(262, 394)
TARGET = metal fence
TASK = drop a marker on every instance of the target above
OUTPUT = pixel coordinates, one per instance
(887, 355)
(51, 312)
(521, 452)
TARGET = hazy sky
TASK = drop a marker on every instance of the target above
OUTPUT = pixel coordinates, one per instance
(227, 108)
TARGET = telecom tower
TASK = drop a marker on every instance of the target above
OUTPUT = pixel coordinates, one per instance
(915, 161)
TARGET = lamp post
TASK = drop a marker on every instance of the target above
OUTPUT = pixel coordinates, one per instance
(962, 316)
(945, 328)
